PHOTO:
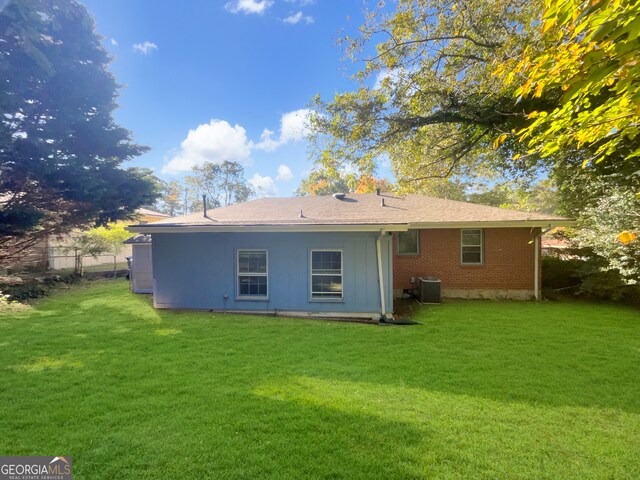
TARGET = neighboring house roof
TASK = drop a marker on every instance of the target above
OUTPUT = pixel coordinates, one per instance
(146, 212)
(140, 239)
(410, 211)
(555, 243)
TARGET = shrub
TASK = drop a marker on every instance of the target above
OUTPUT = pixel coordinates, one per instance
(9, 305)
(560, 274)
(36, 287)
(586, 278)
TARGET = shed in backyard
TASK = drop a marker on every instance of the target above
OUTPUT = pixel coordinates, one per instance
(141, 266)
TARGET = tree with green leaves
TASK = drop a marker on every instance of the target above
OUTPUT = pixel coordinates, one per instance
(224, 183)
(96, 241)
(60, 149)
(322, 182)
(542, 196)
(327, 182)
(486, 92)
(171, 199)
(600, 229)
(427, 98)
(590, 56)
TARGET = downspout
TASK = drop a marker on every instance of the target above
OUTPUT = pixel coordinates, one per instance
(536, 270)
(536, 256)
(383, 303)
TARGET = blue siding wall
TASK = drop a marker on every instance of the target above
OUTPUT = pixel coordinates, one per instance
(197, 270)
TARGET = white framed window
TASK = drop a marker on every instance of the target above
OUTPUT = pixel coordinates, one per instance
(408, 243)
(252, 274)
(326, 274)
(471, 246)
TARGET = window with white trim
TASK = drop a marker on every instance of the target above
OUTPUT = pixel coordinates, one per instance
(253, 275)
(326, 274)
(408, 242)
(471, 246)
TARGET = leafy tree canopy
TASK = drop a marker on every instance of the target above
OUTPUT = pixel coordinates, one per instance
(60, 148)
(96, 241)
(323, 182)
(224, 184)
(327, 182)
(591, 56)
(171, 198)
(427, 98)
(103, 239)
(542, 196)
(600, 228)
(475, 90)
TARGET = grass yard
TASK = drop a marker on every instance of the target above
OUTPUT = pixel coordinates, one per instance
(480, 390)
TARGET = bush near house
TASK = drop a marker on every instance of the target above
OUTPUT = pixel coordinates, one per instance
(586, 278)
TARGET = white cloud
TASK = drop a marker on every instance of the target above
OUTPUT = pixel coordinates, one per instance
(218, 141)
(213, 142)
(114, 42)
(284, 173)
(294, 126)
(264, 186)
(295, 18)
(248, 7)
(145, 47)
(267, 143)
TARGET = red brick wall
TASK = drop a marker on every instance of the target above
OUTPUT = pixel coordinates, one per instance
(508, 260)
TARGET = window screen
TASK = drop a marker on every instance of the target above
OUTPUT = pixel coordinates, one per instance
(326, 274)
(252, 273)
(471, 247)
(409, 242)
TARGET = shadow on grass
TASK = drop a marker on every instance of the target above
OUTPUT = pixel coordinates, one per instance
(479, 390)
(554, 354)
(480, 437)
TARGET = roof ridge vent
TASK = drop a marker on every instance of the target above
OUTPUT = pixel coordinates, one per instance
(339, 195)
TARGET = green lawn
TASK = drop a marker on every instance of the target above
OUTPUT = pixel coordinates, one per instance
(480, 390)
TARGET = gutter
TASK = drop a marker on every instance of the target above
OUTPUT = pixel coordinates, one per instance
(333, 227)
(383, 303)
(536, 270)
(491, 224)
(150, 228)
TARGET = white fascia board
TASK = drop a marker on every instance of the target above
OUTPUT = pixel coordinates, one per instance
(148, 228)
(506, 224)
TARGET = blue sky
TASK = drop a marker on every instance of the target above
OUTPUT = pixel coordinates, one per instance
(204, 79)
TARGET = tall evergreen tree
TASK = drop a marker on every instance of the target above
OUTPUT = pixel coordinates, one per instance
(60, 149)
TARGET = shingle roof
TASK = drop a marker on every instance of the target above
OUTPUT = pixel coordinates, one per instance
(361, 209)
(151, 213)
(140, 239)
